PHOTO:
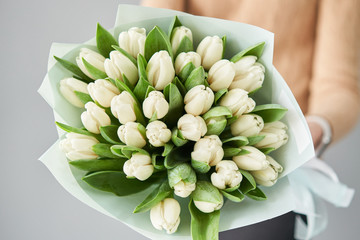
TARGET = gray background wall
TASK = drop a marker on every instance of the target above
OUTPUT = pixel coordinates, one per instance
(32, 204)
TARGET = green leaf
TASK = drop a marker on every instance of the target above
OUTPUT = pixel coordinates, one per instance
(175, 23)
(224, 45)
(156, 41)
(256, 194)
(266, 151)
(185, 71)
(156, 196)
(96, 73)
(109, 133)
(167, 149)
(180, 86)
(186, 45)
(219, 94)
(248, 182)
(181, 172)
(255, 139)
(148, 90)
(141, 64)
(157, 161)
(176, 105)
(217, 112)
(231, 152)
(231, 120)
(235, 196)
(196, 77)
(83, 97)
(126, 151)
(67, 128)
(217, 127)
(74, 69)
(255, 50)
(103, 150)
(204, 226)
(139, 114)
(177, 138)
(178, 155)
(93, 165)
(141, 89)
(117, 182)
(199, 166)
(127, 82)
(125, 53)
(270, 112)
(237, 141)
(104, 41)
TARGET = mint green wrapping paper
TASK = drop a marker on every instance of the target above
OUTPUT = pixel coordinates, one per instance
(295, 153)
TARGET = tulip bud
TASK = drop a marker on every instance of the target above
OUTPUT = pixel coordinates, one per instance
(119, 64)
(102, 91)
(160, 70)
(252, 161)
(211, 50)
(198, 100)
(92, 57)
(77, 146)
(247, 125)
(275, 135)
(184, 58)
(131, 135)
(221, 75)
(207, 198)
(238, 102)
(268, 176)
(178, 35)
(182, 178)
(122, 107)
(133, 41)
(158, 133)
(207, 152)
(192, 127)
(166, 215)
(68, 86)
(249, 74)
(227, 175)
(94, 117)
(139, 166)
(155, 102)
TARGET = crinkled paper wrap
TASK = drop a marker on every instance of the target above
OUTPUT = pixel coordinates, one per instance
(233, 215)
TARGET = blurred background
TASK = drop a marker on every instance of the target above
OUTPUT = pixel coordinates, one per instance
(32, 204)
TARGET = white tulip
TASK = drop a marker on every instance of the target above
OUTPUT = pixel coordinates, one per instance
(177, 36)
(208, 150)
(139, 166)
(252, 161)
(77, 146)
(227, 175)
(275, 135)
(102, 91)
(184, 58)
(68, 86)
(268, 176)
(238, 102)
(94, 117)
(184, 189)
(249, 74)
(207, 198)
(133, 41)
(155, 102)
(122, 107)
(198, 100)
(92, 57)
(211, 50)
(166, 215)
(192, 127)
(158, 133)
(130, 134)
(119, 64)
(160, 70)
(221, 75)
(247, 125)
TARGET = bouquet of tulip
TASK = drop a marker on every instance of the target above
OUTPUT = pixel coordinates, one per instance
(156, 116)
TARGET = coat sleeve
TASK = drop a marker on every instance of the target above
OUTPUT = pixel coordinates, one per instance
(334, 90)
